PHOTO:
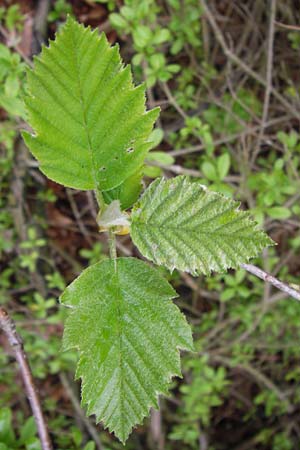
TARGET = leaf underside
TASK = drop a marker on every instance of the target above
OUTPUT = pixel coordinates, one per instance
(91, 128)
(128, 333)
(180, 224)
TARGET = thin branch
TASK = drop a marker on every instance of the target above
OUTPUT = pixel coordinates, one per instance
(156, 429)
(173, 101)
(258, 376)
(269, 71)
(272, 280)
(202, 438)
(179, 170)
(270, 57)
(8, 327)
(236, 60)
(40, 24)
(76, 405)
(288, 27)
(16, 46)
(77, 216)
(227, 139)
(175, 104)
(100, 199)
(112, 248)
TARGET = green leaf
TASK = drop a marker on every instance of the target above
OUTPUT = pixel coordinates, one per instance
(279, 212)
(128, 12)
(209, 171)
(28, 430)
(156, 137)
(117, 21)
(6, 430)
(157, 61)
(161, 157)
(128, 333)
(153, 171)
(128, 192)
(91, 128)
(12, 105)
(90, 446)
(142, 36)
(12, 86)
(180, 224)
(223, 164)
(161, 35)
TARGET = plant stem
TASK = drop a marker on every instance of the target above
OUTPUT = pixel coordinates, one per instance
(112, 248)
(269, 78)
(9, 328)
(100, 199)
(272, 280)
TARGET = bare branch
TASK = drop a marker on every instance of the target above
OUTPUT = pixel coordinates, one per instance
(258, 376)
(8, 327)
(16, 46)
(272, 280)
(236, 60)
(76, 405)
(270, 55)
(227, 139)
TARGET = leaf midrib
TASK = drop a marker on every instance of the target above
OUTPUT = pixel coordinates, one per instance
(192, 230)
(120, 300)
(85, 125)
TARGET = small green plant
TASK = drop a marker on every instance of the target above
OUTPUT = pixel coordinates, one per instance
(12, 17)
(273, 188)
(91, 132)
(139, 19)
(61, 9)
(27, 438)
(11, 77)
(29, 258)
(8, 438)
(204, 392)
(294, 38)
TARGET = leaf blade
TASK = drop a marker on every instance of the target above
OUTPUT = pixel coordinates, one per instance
(131, 350)
(88, 117)
(179, 224)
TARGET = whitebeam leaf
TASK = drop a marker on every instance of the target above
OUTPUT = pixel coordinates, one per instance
(182, 225)
(91, 128)
(128, 333)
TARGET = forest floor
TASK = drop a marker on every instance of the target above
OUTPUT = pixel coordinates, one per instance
(226, 75)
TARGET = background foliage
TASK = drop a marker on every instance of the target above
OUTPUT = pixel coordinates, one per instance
(241, 388)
